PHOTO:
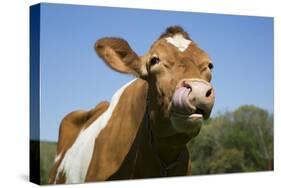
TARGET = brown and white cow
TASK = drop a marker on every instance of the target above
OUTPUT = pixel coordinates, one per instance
(143, 131)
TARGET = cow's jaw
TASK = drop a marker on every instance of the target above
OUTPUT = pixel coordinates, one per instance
(188, 124)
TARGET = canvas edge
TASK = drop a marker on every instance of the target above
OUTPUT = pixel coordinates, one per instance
(34, 96)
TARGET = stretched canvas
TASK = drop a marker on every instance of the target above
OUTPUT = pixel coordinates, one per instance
(121, 93)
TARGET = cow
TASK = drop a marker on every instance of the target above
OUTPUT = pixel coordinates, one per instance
(143, 131)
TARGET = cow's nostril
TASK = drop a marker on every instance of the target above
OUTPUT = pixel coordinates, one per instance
(186, 85)
(209, 92)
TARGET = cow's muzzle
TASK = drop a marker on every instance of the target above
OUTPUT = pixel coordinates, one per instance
(193, 99)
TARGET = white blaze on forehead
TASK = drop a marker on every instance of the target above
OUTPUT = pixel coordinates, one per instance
(77, 159)
(179, 41)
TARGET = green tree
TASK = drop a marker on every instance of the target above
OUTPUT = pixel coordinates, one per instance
(239, 141)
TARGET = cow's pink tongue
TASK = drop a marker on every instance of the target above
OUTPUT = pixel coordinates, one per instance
(179, 100)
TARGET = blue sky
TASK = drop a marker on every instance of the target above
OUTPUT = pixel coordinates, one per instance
(73, 77)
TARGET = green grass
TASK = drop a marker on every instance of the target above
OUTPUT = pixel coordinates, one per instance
(47, 156)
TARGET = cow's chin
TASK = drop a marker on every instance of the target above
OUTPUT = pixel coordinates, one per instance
(189, 124)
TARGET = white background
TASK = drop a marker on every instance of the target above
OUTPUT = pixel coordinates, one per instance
(14, 90)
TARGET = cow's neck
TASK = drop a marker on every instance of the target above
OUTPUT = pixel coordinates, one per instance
(164, 156)
(147, 150)
(168, 149)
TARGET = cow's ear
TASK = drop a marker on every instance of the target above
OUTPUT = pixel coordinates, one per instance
(119, 56)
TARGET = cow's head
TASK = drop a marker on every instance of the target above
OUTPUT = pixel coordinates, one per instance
(178, 73)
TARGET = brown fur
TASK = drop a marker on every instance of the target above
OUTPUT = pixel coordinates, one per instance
(70, 127)
(108, 157)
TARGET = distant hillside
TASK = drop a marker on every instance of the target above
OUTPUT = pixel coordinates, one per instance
(47, 156)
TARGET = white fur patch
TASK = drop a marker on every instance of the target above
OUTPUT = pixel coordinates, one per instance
(179, 41)
(77, 158)
(57, 158)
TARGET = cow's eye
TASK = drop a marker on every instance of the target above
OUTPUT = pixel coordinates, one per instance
(154, 60)
(211, 66)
